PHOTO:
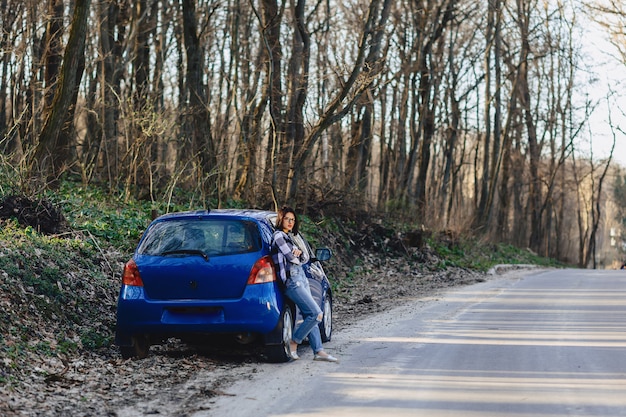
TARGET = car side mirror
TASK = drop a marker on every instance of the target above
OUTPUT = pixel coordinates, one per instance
(323, 254)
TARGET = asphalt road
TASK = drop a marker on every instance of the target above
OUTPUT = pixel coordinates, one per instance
(540, 344)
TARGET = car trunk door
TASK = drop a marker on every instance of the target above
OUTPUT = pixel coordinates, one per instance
(193, 277)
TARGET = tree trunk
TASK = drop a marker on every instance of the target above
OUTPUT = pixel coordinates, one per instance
(248, 183)
(341, 104)
(6, 67)
(51, 154)
(429, 93)
(482, 212)
(271, 17)
(297, 90)
(360, 148)
(53, 49)
(197, 123)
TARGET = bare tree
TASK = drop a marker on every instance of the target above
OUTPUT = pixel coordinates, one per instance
(359, 149)
(487, 185)
(245, 52)
(611, 14)
(270, 17)
(53, 47)
(52, 152)
(197, 121)
(8, 20)
(596, 193)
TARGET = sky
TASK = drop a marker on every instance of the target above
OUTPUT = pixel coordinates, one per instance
(611, 76)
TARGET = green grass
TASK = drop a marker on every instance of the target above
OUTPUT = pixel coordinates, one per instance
(472, 254)
(55, 287)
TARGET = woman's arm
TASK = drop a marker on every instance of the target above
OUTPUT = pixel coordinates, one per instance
(285, 247)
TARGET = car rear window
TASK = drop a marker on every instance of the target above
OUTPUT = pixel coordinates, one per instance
(213, 237)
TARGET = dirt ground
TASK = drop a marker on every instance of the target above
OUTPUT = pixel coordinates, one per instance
(176, 379)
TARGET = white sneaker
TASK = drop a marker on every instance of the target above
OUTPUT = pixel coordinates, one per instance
(326, 358)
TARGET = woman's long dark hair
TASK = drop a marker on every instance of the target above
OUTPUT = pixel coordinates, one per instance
(282, 212)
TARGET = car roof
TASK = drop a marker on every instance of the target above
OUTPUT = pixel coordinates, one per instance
(262, 215)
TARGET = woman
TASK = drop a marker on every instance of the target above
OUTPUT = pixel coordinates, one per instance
(289, 259)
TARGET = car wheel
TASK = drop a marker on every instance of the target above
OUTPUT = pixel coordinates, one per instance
(326, 326)
(281, 352)
(139, 348)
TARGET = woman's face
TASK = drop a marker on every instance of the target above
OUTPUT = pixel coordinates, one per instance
(289, 220)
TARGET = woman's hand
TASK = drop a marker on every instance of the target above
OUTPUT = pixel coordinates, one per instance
(297, 252)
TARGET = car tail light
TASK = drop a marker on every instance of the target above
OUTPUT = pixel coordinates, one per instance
(262, 271)
(131, 275)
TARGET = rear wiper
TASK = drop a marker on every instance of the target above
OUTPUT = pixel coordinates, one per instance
(187, 252)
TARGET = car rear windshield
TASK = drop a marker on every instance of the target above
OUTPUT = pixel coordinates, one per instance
(212, 237)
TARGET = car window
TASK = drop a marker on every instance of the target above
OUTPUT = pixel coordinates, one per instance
(213, 237)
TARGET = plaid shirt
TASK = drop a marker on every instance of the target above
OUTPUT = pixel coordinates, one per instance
(282, 254)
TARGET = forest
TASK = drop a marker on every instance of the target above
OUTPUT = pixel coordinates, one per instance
(458, 115)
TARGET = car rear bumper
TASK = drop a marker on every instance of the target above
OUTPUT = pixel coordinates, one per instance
(257, 311)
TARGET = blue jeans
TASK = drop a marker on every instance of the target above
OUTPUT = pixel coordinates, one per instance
(299, 292)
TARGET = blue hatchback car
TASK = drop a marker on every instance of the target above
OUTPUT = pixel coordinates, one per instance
(204, 273)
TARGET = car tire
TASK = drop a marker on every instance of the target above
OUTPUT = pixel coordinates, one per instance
(326, 326)
(139, 349)
(277, 353)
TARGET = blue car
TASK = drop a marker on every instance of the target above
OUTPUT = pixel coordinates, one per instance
(207, 273)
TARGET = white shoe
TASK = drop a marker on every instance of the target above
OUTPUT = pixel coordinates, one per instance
(325, 358)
